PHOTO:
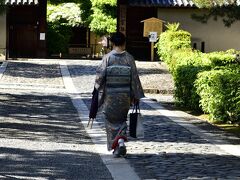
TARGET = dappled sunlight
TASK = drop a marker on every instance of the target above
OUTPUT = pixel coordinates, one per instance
(42, 137)
(32, 73)
(154, 147)
(40, 117)
(176, 165)
(53, 164)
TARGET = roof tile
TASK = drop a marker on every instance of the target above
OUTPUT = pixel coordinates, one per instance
(177, 3)
(21, 2)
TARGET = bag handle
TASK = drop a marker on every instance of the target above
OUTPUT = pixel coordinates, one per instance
(136, 108)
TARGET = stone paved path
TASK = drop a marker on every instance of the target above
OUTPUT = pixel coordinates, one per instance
(168, 151)
(42, 137)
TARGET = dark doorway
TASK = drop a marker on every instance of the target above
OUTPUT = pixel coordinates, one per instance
(23, 41)
(138, 45)
(23, 31)
(79, 37)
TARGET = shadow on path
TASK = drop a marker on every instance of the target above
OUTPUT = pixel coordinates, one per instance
(40, 117)
(72, 165)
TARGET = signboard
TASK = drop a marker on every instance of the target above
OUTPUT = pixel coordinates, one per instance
(42, 36)
(152, 36)
(152, 25)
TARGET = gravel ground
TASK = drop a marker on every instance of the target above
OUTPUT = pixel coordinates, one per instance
(156, 80)
(168, 150)
(41, 135)
(155, 77)
(33, 73)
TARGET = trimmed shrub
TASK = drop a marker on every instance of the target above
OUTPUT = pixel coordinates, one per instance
(208, 82)
(172, 40)
(220, 93)
(223, 58)
(174, 48)
(58, 38)
(187, 64)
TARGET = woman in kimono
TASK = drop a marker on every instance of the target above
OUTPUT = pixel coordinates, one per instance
(118, 84)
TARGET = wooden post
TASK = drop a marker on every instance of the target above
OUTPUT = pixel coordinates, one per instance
(152, 51)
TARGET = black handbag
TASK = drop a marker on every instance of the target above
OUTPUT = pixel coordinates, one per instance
(135, 124)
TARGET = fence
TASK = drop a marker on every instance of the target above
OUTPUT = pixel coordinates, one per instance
(91, 51)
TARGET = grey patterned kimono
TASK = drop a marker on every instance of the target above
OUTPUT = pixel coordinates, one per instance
(117, 89)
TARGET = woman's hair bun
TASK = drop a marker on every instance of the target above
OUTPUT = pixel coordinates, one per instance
(118, 39)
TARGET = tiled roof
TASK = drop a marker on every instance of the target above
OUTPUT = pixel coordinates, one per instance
(21, 2)
(162, 3)
(176, 3)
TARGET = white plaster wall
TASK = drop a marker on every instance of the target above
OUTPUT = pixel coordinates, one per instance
(215, 35)
(2, 35)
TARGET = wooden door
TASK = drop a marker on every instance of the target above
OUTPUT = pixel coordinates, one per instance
(23, 41)
(23, 31)
(138, 45)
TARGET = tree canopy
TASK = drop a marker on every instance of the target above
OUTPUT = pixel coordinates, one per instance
(2, 6)
(103, 19)
(228, 11)
(68, 14)
(98, 15)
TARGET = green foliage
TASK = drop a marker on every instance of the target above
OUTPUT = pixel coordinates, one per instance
(2, 6)
(58, 38)
(185, 66)
(220, 93)
(229, 14)
(99, 15)
(86, 8)
(208, 81)
(61, 18)
(208, 3)
(174, 48)
(97, 3)
(185, 92)
(102, 24)
(171, 40)
(103, 19)
(172, 27)
(66, 14)
(57, 2)
(223, 58)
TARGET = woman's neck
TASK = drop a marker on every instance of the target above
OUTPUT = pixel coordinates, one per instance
(118, 49)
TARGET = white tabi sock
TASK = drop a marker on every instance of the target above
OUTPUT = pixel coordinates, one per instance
(121, 142)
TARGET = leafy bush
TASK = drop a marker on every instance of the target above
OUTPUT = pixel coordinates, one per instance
(187, 64)
(223, 58)
(58, 38)
(174, 48)
(103, 19)
(61, 18)
(220, 93)
(102, 23)
(66, 14)
(171, 40)
(208, 81)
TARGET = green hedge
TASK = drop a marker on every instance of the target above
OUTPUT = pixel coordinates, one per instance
(220, 93)
(201, 78)
(174, 48)
(223, 58)
(58, 38)
(185, 66)
(172, 40)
